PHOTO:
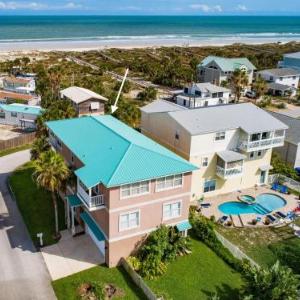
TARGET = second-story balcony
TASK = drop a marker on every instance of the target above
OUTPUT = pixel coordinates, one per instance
(229, 164)
(91, 197)
(263, 141)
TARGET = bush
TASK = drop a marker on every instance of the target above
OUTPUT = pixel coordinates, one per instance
(161, 247)
(134, 262)
(281, 167)
(148, 94)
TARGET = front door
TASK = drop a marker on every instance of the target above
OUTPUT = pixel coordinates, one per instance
(262, 177)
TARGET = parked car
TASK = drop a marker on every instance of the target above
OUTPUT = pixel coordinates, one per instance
(250, 94)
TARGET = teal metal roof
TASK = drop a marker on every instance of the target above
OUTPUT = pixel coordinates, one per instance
(89, 221)
(21, 108)
(115, 154)
(184, 226)
(228, 64)
(74, 200)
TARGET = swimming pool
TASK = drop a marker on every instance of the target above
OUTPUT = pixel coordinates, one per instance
(265, 203)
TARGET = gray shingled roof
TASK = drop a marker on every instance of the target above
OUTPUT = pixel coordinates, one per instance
(162, 106)
(278, 86)
(229, 156)
(292, 135)
(246, 116)
(281, 72)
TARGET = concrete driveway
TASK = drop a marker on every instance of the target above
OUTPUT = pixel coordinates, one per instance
(23, 273)
(71, 255)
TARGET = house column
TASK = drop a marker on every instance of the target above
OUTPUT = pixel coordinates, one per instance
(73, 223)
(68, 214)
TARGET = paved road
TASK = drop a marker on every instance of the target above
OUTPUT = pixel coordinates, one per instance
(23, 273)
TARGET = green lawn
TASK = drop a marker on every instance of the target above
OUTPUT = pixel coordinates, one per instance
(35, 205)
(13, 150)
(261, 243)
(66, 288)
(198, 276)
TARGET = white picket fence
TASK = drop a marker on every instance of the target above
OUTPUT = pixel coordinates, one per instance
(289, 182)
(235, 251)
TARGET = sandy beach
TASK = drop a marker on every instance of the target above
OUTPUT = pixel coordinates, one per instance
(37, 48)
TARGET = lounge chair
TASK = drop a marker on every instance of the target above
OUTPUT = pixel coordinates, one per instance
(275, 187)
(205, 205)
(271, 218)
(281, 214)
(223, 219)
(283, 189)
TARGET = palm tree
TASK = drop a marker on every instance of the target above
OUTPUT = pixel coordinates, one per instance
(275, 283)
(39, 146)
(50, 173)
(239, 80)
(259, 87)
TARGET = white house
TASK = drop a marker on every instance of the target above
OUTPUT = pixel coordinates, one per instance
(202, 94)
(231, 144)
(19, 115)
(22, 85)
(281, 80)
(217, 69)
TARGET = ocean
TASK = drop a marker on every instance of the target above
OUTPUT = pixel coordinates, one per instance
(139, 29)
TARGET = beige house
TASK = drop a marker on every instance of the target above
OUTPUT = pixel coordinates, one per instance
(84, 101)
(231, 144)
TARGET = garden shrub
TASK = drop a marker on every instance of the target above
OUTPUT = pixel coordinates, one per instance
(162, 246)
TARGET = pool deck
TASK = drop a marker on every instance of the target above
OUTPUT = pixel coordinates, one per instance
(292, 202)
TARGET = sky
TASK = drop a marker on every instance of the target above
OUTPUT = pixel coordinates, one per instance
(151, 7)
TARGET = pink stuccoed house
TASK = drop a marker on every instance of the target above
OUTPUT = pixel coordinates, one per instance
(126, 184)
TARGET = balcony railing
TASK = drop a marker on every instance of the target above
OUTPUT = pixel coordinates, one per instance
(262, 144)
(90, 201)
(232, 172)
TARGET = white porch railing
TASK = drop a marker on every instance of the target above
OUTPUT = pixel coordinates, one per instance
(262, 144)
(225, 173)
(90, 201)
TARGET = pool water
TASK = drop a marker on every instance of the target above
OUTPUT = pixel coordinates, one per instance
(265, 203)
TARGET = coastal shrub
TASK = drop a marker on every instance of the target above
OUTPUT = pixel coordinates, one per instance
(275, 283)
(204, 229)
(162, 246)
(148, 94)
(134, 262)
(281, 167)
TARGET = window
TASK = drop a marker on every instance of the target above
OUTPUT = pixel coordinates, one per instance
(251, 155)
(14, 114)
(255, 137)
(214, 95)
(177, 135)
(209, 185)
(259, 153)
(264, 135)
(129, 220)
(294, 77)
(171, 210)
(220, 94)
(186, 90)
(220, 136)
(280, 78)
(204, 161)
(2, 115)
(198, 93)
(135, 189)
(169, 182)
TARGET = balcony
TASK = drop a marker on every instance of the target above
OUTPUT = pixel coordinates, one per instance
(229, 164)
(229, 172)
(90, 200)
(263, 144)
